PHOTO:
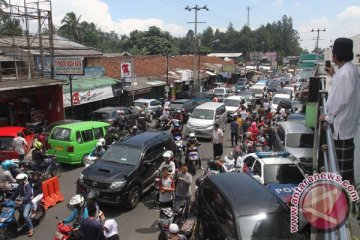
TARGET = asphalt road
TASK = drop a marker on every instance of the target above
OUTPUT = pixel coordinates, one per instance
(139, 223)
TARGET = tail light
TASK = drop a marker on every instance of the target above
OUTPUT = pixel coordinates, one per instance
(70, 149)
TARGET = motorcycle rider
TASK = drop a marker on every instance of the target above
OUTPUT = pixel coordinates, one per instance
(110, 137)
(192, 142)
(36, 184)
(176, 130)
(79, 212)
(7, 181)
(10, 167)
(174, 233)
(39, 157)
(143, 120)
(254, 131)
(121, 122)
(167, 163)
(23, 194)
(178, 116)
(98, 151)
(166, 117)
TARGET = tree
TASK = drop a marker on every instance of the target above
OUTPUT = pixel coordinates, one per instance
(3, 3)
(135, 51)
(71, 27)
(10, 26)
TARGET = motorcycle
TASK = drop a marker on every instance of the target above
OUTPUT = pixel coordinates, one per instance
(9, 225)
(90, 160)
(171, 215)
(162, 124)
(63, 231)
(50, 167)
(179, 146)
(192, 159)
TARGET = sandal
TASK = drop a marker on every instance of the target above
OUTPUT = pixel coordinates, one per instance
(30, 233)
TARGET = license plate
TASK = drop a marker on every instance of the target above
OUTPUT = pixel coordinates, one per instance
(59, 148)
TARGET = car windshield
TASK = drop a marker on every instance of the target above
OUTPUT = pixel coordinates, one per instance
(247, 96)
(282, 173)
(300, 140)
(276, 100)
(219, 90)
(203, 114)
(101, 115)
(60, 133)
(6, 143)
(123, 154)
(232, 102)
(267, 226)
(240, 83)
(176, 105)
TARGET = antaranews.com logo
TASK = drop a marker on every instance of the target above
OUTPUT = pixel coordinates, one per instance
(323, 200)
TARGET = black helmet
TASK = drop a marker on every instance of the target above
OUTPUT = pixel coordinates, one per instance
(111, 129)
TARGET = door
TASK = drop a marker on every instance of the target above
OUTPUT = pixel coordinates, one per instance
(151, 162)
(257, 171)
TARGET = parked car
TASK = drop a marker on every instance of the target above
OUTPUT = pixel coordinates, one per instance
(275, 170)
(185, 105)
(236, 206)
(7, 135)
(126, 169)
(298, 140)
(152, 106)
(222, 92)
(51, 126)
(109, 114)
(74, 141)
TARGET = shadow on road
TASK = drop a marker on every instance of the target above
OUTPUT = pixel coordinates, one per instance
(152, 229)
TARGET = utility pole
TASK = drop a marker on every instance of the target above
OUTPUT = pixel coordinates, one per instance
(196, 9)
(317, 38)
(248, 15)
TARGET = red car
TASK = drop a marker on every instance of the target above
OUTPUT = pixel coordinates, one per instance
(7, 134)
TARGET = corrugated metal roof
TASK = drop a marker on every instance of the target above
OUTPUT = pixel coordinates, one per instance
(223, 55)
(6, 59)
(23, 84)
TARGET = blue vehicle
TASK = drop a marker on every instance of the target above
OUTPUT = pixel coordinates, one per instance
(8, 222)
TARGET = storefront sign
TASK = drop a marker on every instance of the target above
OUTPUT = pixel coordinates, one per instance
(81, 97)
(69, 66)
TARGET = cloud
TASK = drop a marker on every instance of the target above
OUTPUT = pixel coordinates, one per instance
(97, 12)
(297, 4)
(308, 38)
(278, 2)
(349, 13)
(322, 22)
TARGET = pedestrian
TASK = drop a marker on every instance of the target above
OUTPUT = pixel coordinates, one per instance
(183, 187)
(217, 140)
(111, 230)
(234, 131)
(20, 145)
(90, 227)
(266, 106)
(240, 122)
(166, 188)
(343, 105)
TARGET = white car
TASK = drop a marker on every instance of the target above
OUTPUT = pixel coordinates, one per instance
(152, 105)
(222, 92)
(276, 170)
(277, 98)
(232, 104)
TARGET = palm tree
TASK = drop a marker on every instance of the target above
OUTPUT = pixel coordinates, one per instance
(3, 4)
(135, 51)
(71, 27)
(10, 26)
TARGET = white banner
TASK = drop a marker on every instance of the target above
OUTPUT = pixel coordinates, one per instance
(88, 96)
(126, 70)
(68, 66)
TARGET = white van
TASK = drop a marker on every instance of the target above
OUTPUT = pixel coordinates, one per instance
(203, 118)
(232, 104)
(277, 98)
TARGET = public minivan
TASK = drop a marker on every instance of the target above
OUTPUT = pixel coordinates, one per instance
(72, 142)
(203, 118)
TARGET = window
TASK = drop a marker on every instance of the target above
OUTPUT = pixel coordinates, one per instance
(257, 168)
(78, 137)
(249, 161)
(98, 133)
(61, 134)
(281, 133)
(87, 135)
(300, 140)
(282, 173)
(154, 103)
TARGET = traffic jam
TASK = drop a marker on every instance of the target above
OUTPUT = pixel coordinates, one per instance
(151, 150)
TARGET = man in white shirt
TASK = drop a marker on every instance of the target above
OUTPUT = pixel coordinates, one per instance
(20, 145)
(217, 141)
(343, 105)
(266, 106)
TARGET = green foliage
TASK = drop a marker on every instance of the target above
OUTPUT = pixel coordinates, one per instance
(277, 36)
(10, 26)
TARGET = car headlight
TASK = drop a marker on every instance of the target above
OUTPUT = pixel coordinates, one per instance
(116, 185)
(81, 178)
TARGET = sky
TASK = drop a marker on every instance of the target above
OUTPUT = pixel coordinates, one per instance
(339, 18)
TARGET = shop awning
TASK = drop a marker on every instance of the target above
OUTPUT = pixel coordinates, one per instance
(88, 84)
(24, 84)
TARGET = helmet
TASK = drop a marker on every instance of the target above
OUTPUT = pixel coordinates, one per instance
(254, 112)
(77, 200)
(21, 177)
(38, 145)
(102, 141)
(174, 228)
(192, 135)
(176, 124)
(166, 155)
(178, 111)
(98, 145)
(134, 127)
(111, 129)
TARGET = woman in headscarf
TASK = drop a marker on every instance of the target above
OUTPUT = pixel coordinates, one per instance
(254, 131)
(110, 230)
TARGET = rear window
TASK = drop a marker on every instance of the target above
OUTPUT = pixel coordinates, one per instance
(219, 90)
(6, 143)
(87, 135)
(300, 140)
(232, 102)
(177, 105)
(60, 133)
(282, 173)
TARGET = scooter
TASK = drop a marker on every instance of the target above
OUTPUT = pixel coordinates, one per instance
(179, 146)
(192, 159)
(9, 225)
(63, 231)
(162, 124)
(171, 215)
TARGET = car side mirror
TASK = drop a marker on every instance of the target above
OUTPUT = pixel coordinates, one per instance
(257, 177)
(147, 162)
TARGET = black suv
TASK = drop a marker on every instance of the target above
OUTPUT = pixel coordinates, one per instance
(236, 206)
(126, 169)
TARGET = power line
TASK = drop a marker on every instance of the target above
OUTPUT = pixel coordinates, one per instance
(317, 38)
